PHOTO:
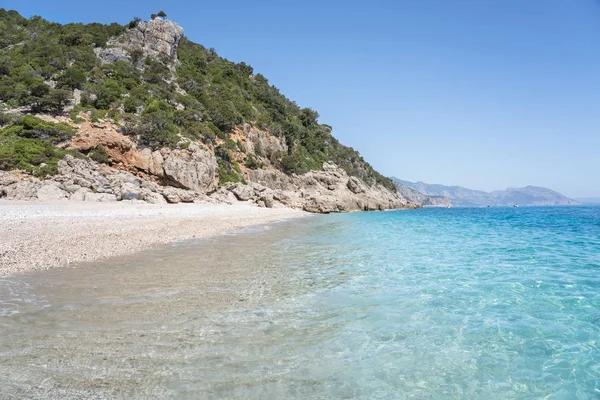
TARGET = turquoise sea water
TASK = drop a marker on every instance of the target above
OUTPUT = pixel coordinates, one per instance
(490, 303)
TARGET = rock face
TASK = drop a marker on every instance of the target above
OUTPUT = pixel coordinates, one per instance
(112, 55)
(194, 168)
(325, 191)
(86, 180)
(258, 142)
(157, 39)
(419, 198)
(191, 174)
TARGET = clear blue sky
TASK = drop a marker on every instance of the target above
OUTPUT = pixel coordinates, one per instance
(480, 93)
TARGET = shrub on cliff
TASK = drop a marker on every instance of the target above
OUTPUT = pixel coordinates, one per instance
(39, 157)
(156, 128)
(228, 171)
(31, 127)
(99, 155)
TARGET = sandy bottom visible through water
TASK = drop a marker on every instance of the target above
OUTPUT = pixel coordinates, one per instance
(151, 325)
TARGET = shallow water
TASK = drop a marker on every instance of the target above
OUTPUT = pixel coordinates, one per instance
(433, 303)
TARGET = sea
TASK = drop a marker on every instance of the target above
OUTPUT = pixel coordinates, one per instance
(435, 303)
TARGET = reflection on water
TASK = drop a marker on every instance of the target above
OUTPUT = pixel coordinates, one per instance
(440, 304)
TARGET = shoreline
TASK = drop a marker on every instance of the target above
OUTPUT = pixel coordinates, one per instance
(51, 234)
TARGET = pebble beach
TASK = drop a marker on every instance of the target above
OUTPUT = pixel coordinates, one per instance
(41, 235)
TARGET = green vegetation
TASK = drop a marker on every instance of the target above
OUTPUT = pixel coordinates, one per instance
(99, 155)
(41, 63)
(29, 144)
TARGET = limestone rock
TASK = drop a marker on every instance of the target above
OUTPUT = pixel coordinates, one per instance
(267, 200)
(150, 161)
(153, 198)
(195, 169)
(355, 185)
(51, 191)
(175, 195)
(273, 179)
(327, 190)
(111, 55)
(223, 196)
(120, 148)
(157, 39)
(99, 197)
(260, 142)
(9, 178)
(71, 187)
(79, 195)
(21, 190)
(242, 192)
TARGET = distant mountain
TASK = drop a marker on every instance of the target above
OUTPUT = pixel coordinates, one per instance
(463, 197)
(419, 198)
(590, 200)
(531, 196)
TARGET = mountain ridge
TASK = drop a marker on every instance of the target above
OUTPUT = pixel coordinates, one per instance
(465, 197)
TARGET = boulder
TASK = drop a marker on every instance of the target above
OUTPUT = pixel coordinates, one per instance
(51, 191)
(79, 194)
(194, 170)
(71, 188)
(21, 190)
(153, 197)
(267, 200)
(242, 192)
(176, 195)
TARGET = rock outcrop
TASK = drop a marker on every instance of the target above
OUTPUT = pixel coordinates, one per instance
(86, 180)
(194, 168)
(157, 39)
(419, 198)
(325, 191)
(192, 174)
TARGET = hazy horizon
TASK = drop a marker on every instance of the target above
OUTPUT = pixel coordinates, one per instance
(485, 95)
(489, 191)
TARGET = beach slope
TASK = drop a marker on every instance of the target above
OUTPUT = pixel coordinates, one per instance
(49, 234)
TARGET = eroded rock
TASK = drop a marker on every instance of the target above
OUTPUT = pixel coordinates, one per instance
(51, 191)
(194, 169)
(158, 39)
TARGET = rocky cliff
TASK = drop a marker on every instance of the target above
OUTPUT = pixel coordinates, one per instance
(157, 39)
(167, 175)
(140, 113)
(81, 179)
(419, 198)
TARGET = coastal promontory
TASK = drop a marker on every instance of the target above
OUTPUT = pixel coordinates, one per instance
(140, 113)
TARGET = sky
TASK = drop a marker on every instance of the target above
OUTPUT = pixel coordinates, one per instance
(486, 94)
